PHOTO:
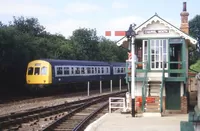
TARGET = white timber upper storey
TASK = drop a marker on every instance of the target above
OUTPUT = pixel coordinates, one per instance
(156, 27)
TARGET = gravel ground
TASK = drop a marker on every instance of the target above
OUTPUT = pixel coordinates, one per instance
(16, 107)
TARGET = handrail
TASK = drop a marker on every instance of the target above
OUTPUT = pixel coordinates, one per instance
(144, 88)
(115, 103)
(161, 88)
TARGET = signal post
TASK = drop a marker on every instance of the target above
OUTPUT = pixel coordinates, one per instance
(130, 35)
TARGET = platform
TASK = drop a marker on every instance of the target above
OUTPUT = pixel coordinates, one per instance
(125, 122)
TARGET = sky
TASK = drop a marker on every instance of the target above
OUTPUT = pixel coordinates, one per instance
(65, 16)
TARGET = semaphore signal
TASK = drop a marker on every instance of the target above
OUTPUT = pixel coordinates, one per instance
(130, 35)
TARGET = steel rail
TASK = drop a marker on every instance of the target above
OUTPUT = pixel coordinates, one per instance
(18, 118)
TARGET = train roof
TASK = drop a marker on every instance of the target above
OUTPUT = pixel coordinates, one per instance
(80, 62)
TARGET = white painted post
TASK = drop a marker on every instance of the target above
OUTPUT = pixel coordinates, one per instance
(120, 84)
(133, 77)
(110, 85)
(110, 105)
(88, 88)
(129, 87)
(100, 87)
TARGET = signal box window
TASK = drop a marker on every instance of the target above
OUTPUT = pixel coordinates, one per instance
(30, 71)
(44, 71)
(37, 71)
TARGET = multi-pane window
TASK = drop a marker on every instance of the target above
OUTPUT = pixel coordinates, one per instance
(81, 70)
(158, 53)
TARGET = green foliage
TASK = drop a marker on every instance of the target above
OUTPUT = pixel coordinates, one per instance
(194, 26)
(196, 66)
(194, 30)
(24, 40)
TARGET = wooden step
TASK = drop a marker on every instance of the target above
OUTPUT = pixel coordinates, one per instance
(155, 79)
(157, 104)
(152, 109)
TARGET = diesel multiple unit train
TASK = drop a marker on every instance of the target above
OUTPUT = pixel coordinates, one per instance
(45, 72)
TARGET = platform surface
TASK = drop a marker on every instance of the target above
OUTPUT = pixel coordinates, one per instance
(125, 122)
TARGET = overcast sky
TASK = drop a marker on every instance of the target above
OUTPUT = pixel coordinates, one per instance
(64, 16)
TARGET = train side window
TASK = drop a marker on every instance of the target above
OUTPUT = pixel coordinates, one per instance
(115, 70)
(72, 70)
(77, 70)
(59, 71)
(92, 70)
(122, 69)
(37, 71)
(88, 70)
(82, 70)
(118, 70)
(102, 70)
(95, 70)
(66, 70)
(30, 71)
(108, 71)
(99, 70)
(44, 70)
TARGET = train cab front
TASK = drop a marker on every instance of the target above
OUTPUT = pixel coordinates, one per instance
(38, 74)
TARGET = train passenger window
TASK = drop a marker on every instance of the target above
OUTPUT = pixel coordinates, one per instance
(98, 70)
(72, 70)
(118, 70)
(59, 71)
(92, 70)
(30, 71)
(107, 70)
(44, 70)
(66, 70)
(102, 70)
(88, 70)
(122, 69)
(82, 70)
(77, 69)
(37, 71)
(95, 70)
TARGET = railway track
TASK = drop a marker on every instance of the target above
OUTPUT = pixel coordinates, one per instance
(31, 118)
(77, 119)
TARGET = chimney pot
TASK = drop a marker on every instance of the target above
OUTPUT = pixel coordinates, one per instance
(184, 6)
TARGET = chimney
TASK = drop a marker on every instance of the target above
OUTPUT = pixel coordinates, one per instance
(184, 19)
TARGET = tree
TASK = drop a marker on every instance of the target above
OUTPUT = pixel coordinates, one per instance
(194, 31)
(28, 25)
(86, 44)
